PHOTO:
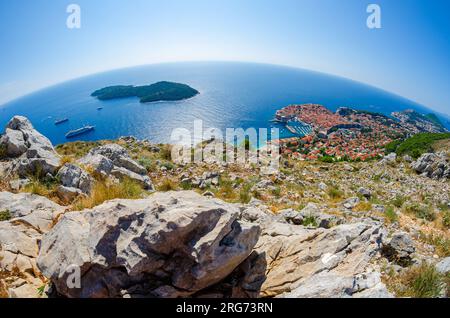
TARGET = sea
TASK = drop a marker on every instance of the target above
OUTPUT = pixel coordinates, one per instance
(232, 95)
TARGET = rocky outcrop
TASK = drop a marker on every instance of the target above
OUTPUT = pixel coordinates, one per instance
(310, 214)
(31, 216)
(113, 160)
(399, 249)
(207, 179)
(72, 176)
(306, 262)
(443, 266)
(19, 246)
(182, 244)
(36, 211)
(389, 159)
(169, 245)
(433, 165)
(33, 152)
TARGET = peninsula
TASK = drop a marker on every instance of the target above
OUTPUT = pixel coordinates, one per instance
(161, 91)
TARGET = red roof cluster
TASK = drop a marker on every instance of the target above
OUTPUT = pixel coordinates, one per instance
(355, 135)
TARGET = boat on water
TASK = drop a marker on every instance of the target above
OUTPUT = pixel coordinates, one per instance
(80, 131)
(299, 128)
(99, 108)
(60, 121)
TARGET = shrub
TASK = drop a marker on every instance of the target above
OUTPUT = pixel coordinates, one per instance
(420, 144)
(446, 219)
(335, 193)
(226, 190)
(165, 153)
(310, 220)
(326, 159)
(419, 282)
(147, 163)
(2, 151)
(168, 165)
(398, 201)
(392, 146)
(245, 195)
(41, 186)
(186, 185)
(276, 191)
(5, 215)
(421, 212)
(101, 192)
(390, 215)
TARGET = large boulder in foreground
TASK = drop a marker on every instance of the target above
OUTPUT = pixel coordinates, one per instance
(317, 263)
(34, 152)
(31, 216)
(170, 245)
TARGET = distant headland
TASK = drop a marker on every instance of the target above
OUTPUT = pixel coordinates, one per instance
(161, 91)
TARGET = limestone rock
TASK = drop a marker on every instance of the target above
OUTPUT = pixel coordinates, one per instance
(171, 244)
(34, 152)
(35, 210)
(351, 203)
(114, 160)
(291, 216)
(444, 266)
(73, 176)
(18, 184)
(319, 262)
(365, 192)
(389, 159)
(143, 180)
(68, 194)
(433, 165)
(14, 143)
(20, 238)
(399, 249)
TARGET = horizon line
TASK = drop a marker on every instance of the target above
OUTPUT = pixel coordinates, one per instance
(119, 68)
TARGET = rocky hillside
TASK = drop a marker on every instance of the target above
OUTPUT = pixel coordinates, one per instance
(132, 223)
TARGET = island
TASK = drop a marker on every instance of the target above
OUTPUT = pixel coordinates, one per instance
(161, 91)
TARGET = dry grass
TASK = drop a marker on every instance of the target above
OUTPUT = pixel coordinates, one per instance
(3, 287)
(440, 242)
(442, 145)
(45, 188)
(418, 282)
(168, 184)
(66, 160)
(6, 277)
(77, 149)
(335, 193)
(102, 192)
(363, 207)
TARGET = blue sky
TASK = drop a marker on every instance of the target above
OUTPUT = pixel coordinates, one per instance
(409, 56)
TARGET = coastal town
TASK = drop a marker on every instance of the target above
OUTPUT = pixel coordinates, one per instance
(346, 134)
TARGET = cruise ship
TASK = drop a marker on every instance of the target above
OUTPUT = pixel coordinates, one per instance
(79, 131)
(60, 121)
